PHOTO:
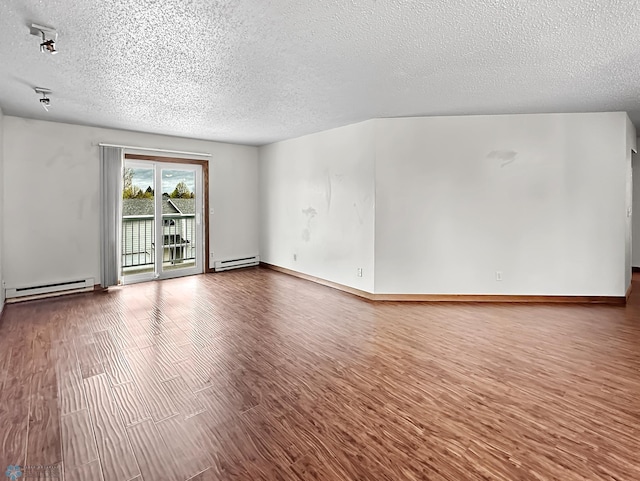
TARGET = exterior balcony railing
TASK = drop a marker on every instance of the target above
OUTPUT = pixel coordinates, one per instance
(138, 241)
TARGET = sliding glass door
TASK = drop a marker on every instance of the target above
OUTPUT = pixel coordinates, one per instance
(162, 220)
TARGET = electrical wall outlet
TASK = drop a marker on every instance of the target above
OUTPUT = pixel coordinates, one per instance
(359, 271)
(295, 257)
(498, 275)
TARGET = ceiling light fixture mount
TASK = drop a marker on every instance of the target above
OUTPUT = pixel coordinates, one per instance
(45, 101)
(48, 35)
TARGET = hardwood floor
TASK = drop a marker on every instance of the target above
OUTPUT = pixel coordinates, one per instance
(255, 375)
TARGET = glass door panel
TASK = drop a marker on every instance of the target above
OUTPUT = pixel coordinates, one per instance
(138, 259)
(181, 229)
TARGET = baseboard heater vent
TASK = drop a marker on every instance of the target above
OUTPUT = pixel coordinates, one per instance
(236, 263)
(50, 288)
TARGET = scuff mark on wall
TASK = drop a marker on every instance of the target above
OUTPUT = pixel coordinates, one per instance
(57, 158)
(360, 219)
(310, 213)
(505, 156)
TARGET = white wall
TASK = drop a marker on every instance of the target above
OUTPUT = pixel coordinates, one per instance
(540, 198)
(51, 183)
(631, 146)
(635, 251)
(317, 203)
(1, 209)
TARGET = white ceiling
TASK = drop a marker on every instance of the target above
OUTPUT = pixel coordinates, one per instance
(258, 71)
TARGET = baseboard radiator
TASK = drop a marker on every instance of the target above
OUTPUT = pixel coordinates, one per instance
(236, 263)
(52, 288)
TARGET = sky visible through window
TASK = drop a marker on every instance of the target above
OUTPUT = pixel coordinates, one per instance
(143, 178)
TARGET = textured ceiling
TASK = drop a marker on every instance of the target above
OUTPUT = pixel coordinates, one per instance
(258, 71)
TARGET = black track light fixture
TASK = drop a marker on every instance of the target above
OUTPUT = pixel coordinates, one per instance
(48, 35)
(45, 101)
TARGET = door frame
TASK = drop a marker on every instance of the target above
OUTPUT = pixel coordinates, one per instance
(205, 182)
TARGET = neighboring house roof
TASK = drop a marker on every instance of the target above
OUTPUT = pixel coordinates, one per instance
(137, 207)
(133, 207)
(185, 206)
(169, 208)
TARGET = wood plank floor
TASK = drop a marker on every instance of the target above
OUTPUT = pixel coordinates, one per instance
(255, 375)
